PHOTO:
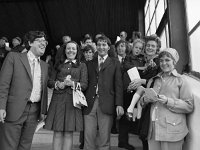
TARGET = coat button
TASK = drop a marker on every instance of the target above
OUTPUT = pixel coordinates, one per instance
(174, 124)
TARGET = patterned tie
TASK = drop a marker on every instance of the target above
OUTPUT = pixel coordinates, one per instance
(101, 63)
(122, 61)
(36, 64)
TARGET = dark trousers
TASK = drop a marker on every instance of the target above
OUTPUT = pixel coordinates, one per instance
(126, 127)
(18, 135)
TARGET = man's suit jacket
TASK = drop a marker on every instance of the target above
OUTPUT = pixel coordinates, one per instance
(16, 85)
(110, 87)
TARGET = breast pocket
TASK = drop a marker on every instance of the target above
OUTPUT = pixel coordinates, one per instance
(174, 124)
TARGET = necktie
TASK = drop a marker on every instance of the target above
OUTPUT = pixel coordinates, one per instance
(100, 63)
(122, 60)
(35, 67)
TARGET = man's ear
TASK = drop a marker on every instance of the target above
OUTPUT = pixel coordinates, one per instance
(29, 43)
(108, 47)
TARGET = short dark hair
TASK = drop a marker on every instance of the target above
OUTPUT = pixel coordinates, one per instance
(87, 38)
(78, 55)
(122, 41)
(104, 38)
(31, 36)
(88, 47)
(155, 38)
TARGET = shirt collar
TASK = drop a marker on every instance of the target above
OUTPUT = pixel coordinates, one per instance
(174, 73)
(32, 57)
(73, 61)
(104, 57)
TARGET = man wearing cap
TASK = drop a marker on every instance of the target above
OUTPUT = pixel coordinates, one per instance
(23, 93)
(16, 42)
(4, 49)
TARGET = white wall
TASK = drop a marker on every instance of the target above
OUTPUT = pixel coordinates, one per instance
(193, 138)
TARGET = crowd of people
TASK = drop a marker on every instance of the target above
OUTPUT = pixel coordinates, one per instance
(115, 102)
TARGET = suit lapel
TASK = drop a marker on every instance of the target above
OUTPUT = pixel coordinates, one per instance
(106, 63)
(25, 61)
(42, 65)
(95, 64)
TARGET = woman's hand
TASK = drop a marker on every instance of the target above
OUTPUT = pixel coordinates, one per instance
(68, 82)
(146, 99)
(162, 99)
(133, 85)
(60, 85)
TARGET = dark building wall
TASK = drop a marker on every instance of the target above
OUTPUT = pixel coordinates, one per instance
(178, 31)
(72, 17)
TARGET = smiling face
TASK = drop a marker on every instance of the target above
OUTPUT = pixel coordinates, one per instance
(102, 48)
(167, 63)
(121, 49)
(151, 48)
(38, 46)
(137, 48)
(71, 51)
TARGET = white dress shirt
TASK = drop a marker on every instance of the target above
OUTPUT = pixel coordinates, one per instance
(36, 77)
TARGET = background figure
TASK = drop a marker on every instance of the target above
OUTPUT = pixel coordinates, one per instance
(88, 54)
(60, 49)
(104, 92)
(23, 93)
(123, 35)
(4, 49)
(17, 47)
(169, 108)
(121, 50)
(63, 118)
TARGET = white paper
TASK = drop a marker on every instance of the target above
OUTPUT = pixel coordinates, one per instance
(39, 126)
(133, 73)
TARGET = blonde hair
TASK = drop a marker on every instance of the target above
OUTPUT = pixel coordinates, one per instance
(139, 41)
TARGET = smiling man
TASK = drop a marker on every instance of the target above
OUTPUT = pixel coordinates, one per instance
(105, 91)
(23, 93)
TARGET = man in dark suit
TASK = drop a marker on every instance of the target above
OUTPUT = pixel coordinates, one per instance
(104, 93)
(23, 93)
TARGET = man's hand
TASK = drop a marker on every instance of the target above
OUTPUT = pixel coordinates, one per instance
(43, 117)
(120, 111)
(2, 115)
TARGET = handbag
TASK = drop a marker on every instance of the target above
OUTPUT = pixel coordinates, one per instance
(79, 99)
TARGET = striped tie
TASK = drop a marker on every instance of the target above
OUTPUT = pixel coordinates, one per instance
(100, 63)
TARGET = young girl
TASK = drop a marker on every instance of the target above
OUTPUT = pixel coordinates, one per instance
(149, 70)
(63, 118)
(135, 59)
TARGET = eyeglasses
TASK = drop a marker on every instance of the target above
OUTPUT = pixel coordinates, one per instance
(42, 41)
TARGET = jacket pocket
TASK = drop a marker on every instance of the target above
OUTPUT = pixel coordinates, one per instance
(174, 124)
